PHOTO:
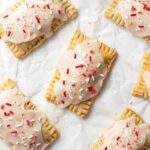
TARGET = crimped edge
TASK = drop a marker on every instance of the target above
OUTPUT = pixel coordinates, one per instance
(83, 108)
(22, 50)
(140, 88)
(46, 127)
(127, 113)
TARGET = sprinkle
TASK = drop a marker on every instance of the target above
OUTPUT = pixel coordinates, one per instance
(141, 26)
(36, 130)
(5, 16)
(90, 59)
(32, 6)
(101, 75)
(93, 78)
(48, 6)
(132, 15)
(92, 90)
(30, 137)
(80, 97)
(98, 65)
(80, 66)
(83, 74)
(29, 123)
(133, 8)
(10, 119)
(59, 11)
(64, 82)
(91, 51)
(73, 85)
(38, 144)
(75, 56)
(6, 114)
(9, 33)
(139, 12)
(8, 104)
(11, 112)
(23, 138)
(87, 80)
(136, 133)
(24, 30)
(39, 27)
(81, 89)
(38, 19)
(8, 125)
(2, 106)
(105, 148)
(14, 133)
(65, 94)
(62, 102)
(67, 72)
(118, 138)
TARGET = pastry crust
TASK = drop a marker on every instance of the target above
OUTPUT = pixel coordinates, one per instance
(140, 89)
(108, 54)
(112, 14)
(49, 132)
(125, 115)
(23, 49)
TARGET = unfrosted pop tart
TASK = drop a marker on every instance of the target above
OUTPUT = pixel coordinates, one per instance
(128, 132)
(22, 126)
(142, 87)
(28, 23)
(80, 74)
(131, 14)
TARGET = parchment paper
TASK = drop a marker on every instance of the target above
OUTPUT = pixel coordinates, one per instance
(34, 73)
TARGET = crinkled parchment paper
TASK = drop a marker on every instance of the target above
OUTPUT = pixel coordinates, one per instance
(34, 73)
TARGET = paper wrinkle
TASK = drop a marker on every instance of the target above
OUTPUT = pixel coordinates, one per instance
(33, 75)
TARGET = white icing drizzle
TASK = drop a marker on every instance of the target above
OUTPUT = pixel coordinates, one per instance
(126, 135)
(82, 73)
(20, 128)
(146, 78)
(136, 14)
(31, 20)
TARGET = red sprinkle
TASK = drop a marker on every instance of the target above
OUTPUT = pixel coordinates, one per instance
(65, 94)
(38, 19)
(64, 82)
(133, 8)
(6, 114)
(105, 148)
(32, 6)
(127, 125)
(133, 15)
(75, 56)
(141, 26)
(92, 90)
(59, 11)
(8, 125)
(11, 112)
(136, 133)
(73, 85)
(2, 106)
(90, 59)
(62, 101)
(84, 75)
(8, 104)
(48, 6)
(91, 51)
(139, 12)
(24, 30)
(5, 16)
(29, 123)
(118, 138)
(67, 72)
(80, 66)
(9, 33)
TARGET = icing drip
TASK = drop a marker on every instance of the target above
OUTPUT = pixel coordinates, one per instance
(82, 73)
(31, 20)
(126, 135)
(136, 14)
(146, 77)
(20, 128)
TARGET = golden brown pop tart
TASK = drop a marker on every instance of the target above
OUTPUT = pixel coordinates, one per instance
(134, 15)
(142, 87)
(80, 74)
(22, 125)
(29, 23)
(128, 132)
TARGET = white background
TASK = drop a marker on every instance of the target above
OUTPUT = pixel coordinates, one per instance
(34, 73)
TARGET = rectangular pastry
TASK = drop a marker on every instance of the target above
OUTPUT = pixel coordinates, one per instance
(29, 23)
(80, 74)
(131, 14)
(142, 87)
(22, 126)
(128, 132)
